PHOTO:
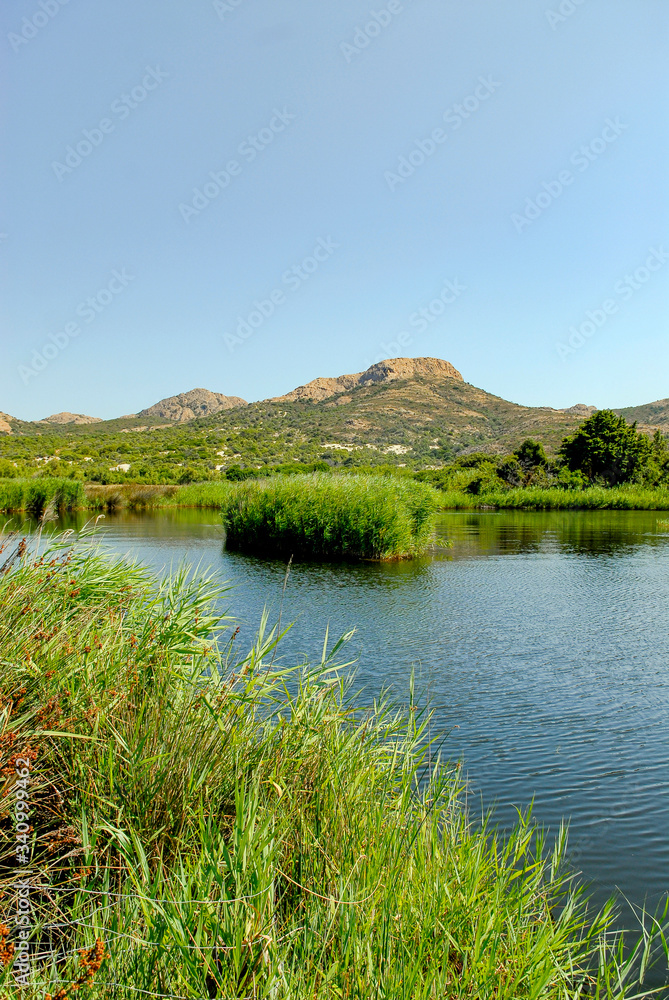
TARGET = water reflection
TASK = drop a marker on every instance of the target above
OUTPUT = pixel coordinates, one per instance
(582, 532)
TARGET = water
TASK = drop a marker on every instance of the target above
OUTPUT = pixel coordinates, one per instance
(541, 640)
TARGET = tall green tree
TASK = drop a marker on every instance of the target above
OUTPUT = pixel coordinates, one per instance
(531, 454)
(658, 466)
(607, 449)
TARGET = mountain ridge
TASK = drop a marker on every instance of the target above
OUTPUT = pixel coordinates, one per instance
(383, 371)
(418, 407)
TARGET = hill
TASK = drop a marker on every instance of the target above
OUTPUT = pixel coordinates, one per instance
(69, 418)
(6, 422)
(414, 412)
(420, 408)
(384, 371)
(650, 416)
(190, 405)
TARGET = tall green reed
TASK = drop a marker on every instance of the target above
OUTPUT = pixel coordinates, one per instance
(33, 495)
(230, 826)
(330, 516)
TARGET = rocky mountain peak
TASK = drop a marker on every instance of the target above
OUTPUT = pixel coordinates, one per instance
(384, 371)
(580, 410)
(5, 426)
(70, 418)
(190, 405)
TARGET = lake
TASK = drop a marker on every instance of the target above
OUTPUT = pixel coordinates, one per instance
(541, 641)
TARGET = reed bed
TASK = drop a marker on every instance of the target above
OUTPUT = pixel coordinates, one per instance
(330, 516)
(33, 495)
(206, 822)
(210, 496)
(140, 496)
(127, 496)
(538, 498)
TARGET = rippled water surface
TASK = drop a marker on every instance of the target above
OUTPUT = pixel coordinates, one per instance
(542, 640)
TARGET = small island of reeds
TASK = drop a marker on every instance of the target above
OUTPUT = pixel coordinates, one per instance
(330, 517)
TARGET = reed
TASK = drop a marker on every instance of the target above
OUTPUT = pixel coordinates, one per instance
(538, 498)
(205, 495)
(33, 495)
(127, 496)
(216, 825)
(330, 517)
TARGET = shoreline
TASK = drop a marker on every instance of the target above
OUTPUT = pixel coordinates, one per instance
(32, 496)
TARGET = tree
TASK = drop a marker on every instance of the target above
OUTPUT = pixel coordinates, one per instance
(657, 472)
(531, 454)
(511, 472)
(187, 475)
(607, 449)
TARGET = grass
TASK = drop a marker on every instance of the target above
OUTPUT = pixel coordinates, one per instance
(332, 517)
(217, 825)
(537, 498)
(33, 495)
(207, 495)
(128, 496)
(132, 496)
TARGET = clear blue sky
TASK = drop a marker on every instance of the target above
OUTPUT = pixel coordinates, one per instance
(304, 111)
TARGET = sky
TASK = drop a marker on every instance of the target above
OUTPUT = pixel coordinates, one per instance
(244, 195)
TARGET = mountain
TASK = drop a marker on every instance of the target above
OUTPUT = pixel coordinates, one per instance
(420, 408)
(6, 423)
(70, 418)
(384, 371)
(581, 410)
(651, 416)
(191, 405)
(410, 411)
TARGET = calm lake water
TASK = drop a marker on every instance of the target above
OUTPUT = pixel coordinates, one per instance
(541, 639)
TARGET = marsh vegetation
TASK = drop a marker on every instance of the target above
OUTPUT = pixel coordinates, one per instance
(217, 825)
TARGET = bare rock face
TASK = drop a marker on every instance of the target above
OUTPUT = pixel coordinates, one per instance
(5, 426)
(70, 418)
(190, 405)
(384, 371)
(580, 410)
